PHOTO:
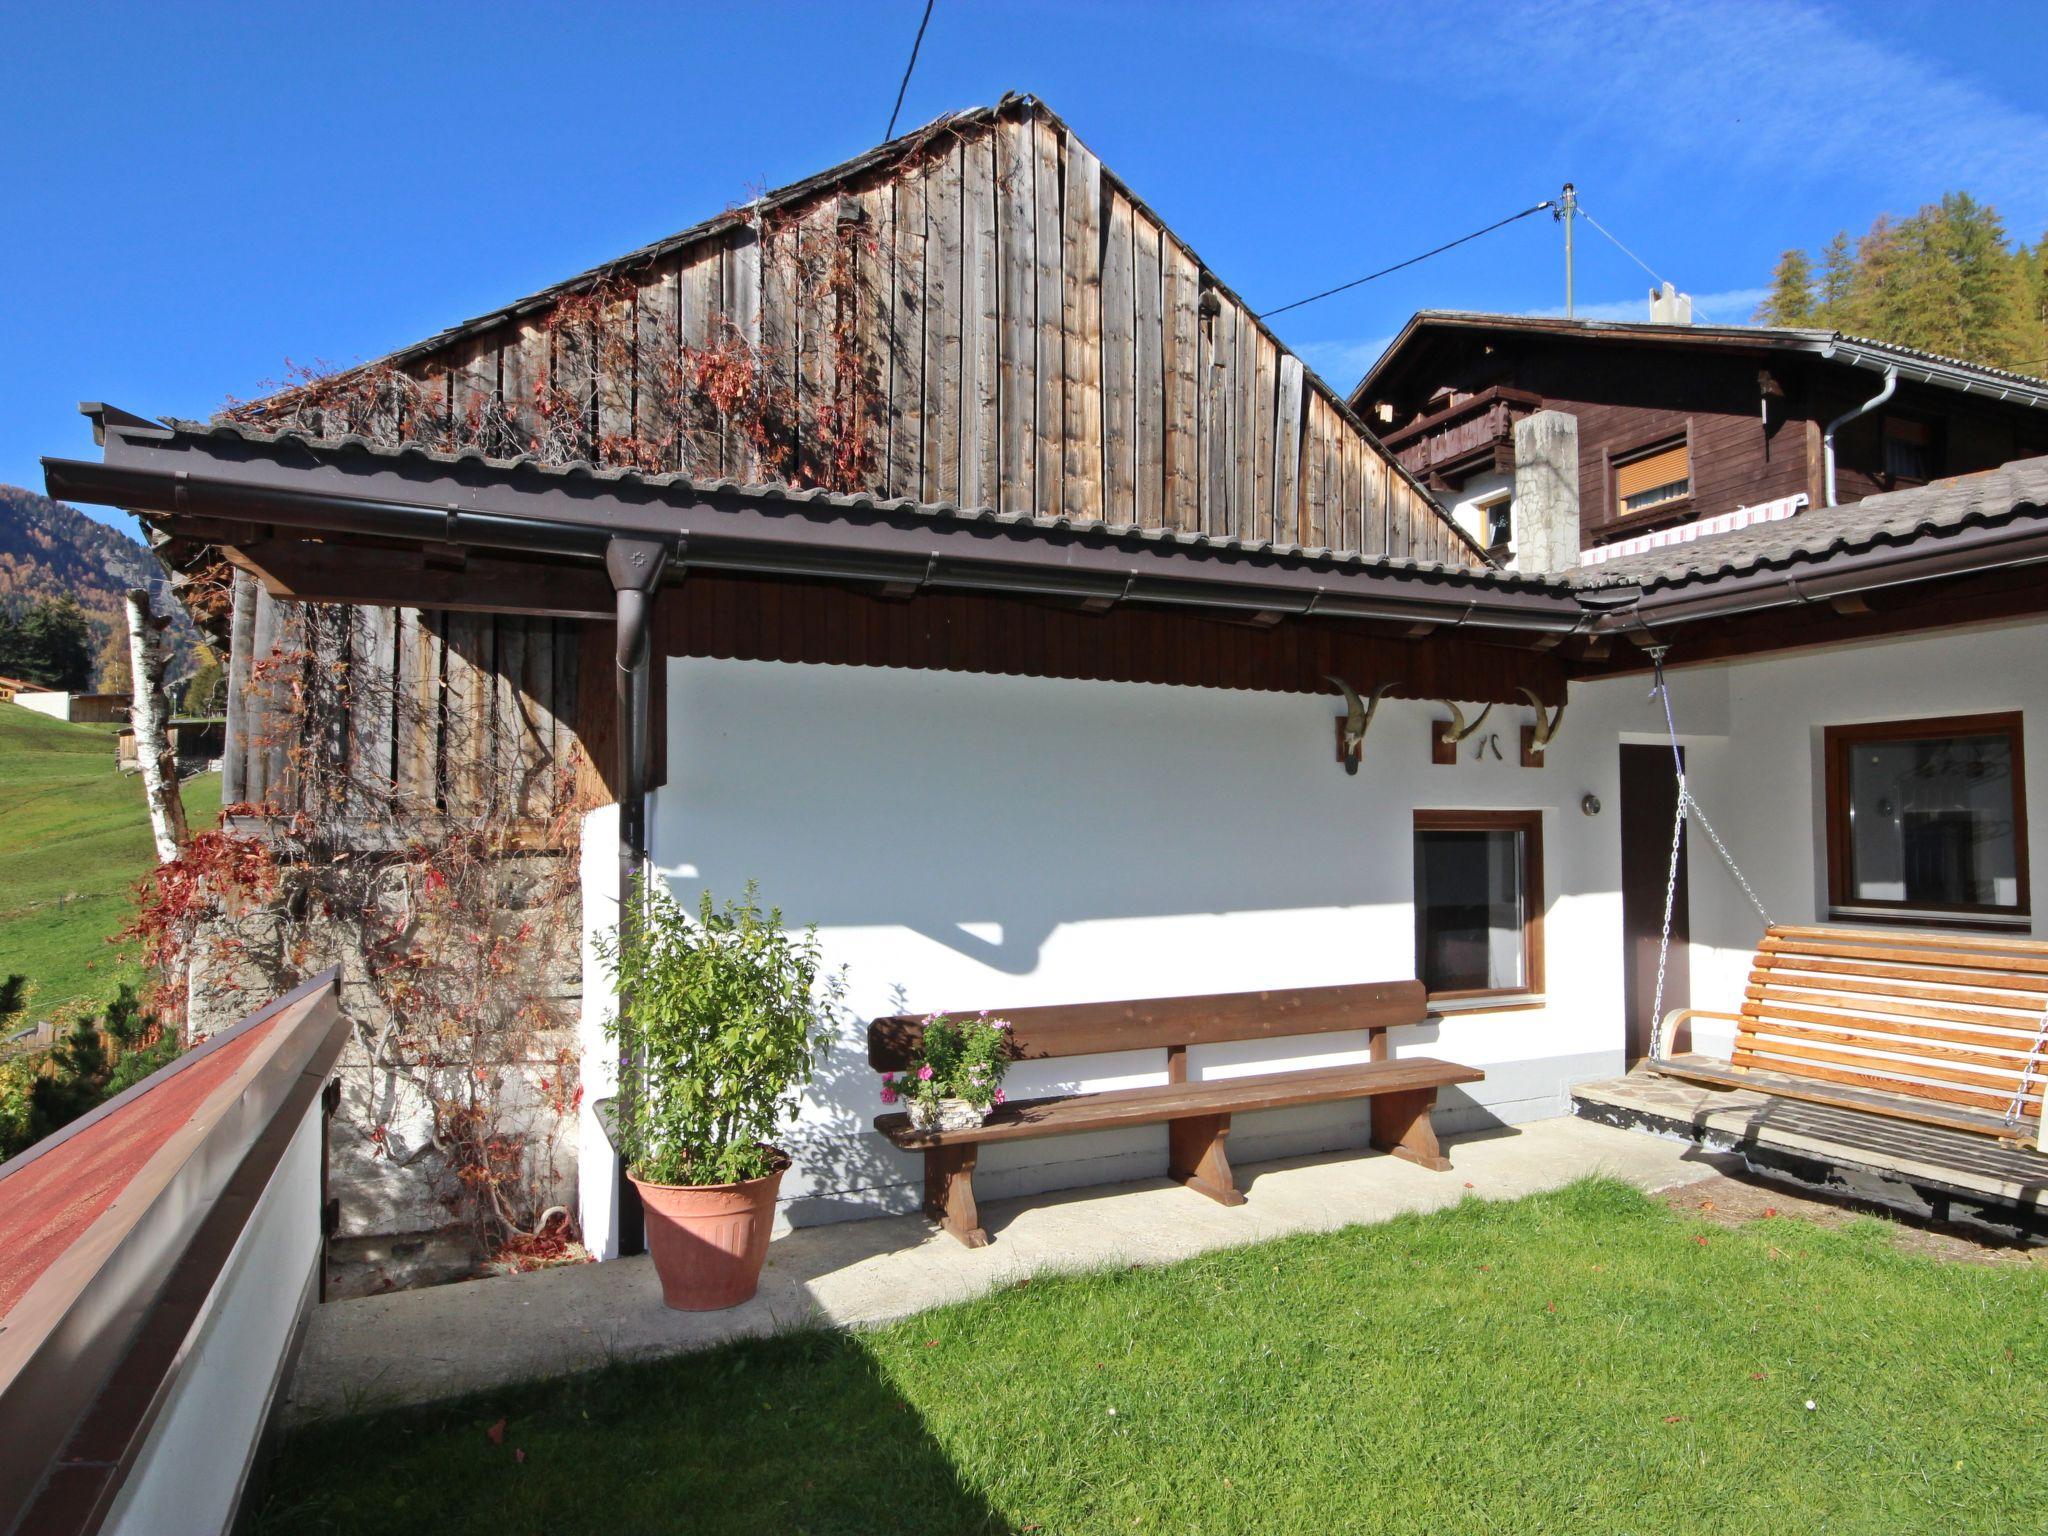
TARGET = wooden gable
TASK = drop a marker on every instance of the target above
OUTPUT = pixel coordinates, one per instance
(978, 314)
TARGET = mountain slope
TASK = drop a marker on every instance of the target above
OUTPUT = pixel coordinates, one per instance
(48, 550)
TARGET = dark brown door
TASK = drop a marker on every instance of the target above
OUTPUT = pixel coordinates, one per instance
(1649, 800)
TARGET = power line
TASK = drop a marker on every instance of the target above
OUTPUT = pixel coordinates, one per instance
(907, 69)
(1411, 261)
(1657, 276)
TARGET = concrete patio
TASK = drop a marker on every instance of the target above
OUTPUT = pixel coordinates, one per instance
(421, 1346)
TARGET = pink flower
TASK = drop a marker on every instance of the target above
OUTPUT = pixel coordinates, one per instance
(1002, 1024)
(888, 1095)
(999, 1096)
(888, 1077)
(924, 1074)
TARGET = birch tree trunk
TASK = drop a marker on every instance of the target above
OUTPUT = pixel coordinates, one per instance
(151, 709)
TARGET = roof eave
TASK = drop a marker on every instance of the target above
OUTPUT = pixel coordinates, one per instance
(352, 489)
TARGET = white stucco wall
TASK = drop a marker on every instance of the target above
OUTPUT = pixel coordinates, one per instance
(967, 842)
(1466, 500)
(56, 705)
(190, 1474)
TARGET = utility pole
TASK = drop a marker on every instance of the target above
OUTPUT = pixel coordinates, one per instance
(1567, 205)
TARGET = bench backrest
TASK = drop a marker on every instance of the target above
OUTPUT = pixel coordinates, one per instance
(1932, 1016)
(1087, 1029)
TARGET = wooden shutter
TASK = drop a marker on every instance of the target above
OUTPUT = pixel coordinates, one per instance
(1664, 466)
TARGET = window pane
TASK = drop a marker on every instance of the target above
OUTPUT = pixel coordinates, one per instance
(1931, 822)
(1469, 911)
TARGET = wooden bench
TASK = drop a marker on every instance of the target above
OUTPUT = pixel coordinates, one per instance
(1197, 1115)
(1937, 1028)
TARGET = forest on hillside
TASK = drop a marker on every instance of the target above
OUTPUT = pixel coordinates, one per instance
(1947, 279)
(52, 555)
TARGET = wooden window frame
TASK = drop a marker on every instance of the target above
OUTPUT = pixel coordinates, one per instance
(1530, 825)
(1838, 742)
(1621, 458)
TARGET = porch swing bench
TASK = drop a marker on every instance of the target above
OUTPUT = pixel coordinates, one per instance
(1945, 1029)
(1941, 1029)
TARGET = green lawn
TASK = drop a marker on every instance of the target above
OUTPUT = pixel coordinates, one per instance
(74, 839)
(1585, 1361)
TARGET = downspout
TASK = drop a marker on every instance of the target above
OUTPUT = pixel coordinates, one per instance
(635, 567)
(1891, 383)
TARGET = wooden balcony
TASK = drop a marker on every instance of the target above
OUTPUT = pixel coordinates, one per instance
(1477, 433)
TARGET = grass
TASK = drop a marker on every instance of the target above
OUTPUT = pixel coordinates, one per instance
(1583, 1361)
(74, 839)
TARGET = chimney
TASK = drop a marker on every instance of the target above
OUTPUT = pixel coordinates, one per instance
(1670, 307)
(1546, 492)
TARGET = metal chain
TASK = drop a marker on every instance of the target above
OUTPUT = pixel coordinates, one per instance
(2019, 1094)
(1662, 692)
(1727, 858)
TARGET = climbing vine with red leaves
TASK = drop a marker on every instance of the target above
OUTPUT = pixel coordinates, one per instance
(447, 932)
(452, 919)
(620, 391)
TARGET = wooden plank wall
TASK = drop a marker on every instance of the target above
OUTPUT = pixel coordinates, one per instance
(459, 715)
(1029, 335)
(747, 618)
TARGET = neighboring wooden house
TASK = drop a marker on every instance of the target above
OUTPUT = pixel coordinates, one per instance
(78, 708)
(1678, 423)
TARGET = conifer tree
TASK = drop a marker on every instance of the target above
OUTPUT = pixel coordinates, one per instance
(1790, 301)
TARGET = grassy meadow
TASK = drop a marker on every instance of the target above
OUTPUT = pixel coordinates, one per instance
(74, 839)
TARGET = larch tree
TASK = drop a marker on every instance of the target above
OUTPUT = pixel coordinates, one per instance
(1946, 279)
(1790, 301)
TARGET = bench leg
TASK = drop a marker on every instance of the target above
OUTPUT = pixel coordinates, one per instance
(1400, 1125)
(1194, 1156)
(949, 1192)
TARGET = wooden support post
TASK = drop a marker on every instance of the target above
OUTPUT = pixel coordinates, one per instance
(1400, 1125)
(949, 1192)
(1195, 1157)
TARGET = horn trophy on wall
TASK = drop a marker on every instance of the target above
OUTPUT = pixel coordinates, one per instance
(1352, 724)
(1445, 736)
(1535, 738)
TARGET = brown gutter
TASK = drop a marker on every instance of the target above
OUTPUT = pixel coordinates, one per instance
(1958, 554)
(354, 490)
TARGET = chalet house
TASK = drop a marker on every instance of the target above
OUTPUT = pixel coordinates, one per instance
(1678, 425)
(992, 626)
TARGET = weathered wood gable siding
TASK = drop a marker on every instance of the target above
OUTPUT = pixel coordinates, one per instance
(1030, 336)
(467, 716)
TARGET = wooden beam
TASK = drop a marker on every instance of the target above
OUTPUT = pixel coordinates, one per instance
(392, 578)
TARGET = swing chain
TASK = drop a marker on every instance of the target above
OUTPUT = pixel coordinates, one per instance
(2017, 1107)
(1661, 691)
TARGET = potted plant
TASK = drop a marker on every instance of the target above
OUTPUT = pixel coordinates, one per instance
(955, 1077)
(724, 1016)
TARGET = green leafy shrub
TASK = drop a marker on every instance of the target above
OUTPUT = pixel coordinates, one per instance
(728, 1015)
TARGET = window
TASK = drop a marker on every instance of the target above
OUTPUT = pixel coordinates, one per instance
(1497, 525)
(1653, 478)
(1479, 902)
(1908, 449)
(1928, 816)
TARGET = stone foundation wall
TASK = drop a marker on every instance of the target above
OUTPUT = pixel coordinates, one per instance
(392, 1180)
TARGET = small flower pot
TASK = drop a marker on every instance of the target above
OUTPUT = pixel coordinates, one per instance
(946, 1115)
(709, 1241)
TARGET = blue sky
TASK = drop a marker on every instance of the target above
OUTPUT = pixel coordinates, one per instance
(199, 193)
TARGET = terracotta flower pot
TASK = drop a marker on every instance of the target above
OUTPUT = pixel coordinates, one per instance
(709, 1241)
